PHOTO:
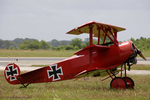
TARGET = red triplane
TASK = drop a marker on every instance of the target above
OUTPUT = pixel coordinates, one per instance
(107, 56)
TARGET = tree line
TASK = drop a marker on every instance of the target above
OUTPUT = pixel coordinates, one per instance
(74, 44)
(142, 43)
(27, 43)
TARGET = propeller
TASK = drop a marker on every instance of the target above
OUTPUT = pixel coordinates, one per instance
(132, 59)
(140, 53)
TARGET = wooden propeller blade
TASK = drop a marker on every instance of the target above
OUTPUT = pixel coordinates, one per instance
(141, 54)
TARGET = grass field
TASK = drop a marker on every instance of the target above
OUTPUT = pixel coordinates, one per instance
(35, 53)
(42, 53)
(140, 67)
(91, 89)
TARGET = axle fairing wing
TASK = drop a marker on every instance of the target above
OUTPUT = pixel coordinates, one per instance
(85, 28)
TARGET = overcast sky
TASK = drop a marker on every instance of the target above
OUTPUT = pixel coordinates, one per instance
(51, 19)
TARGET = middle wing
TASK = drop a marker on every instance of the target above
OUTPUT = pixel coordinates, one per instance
(98, 48)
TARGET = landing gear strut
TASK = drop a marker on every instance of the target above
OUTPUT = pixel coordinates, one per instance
(121, 82)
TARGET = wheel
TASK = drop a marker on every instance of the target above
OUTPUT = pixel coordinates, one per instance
(118, 83)
(130, 82)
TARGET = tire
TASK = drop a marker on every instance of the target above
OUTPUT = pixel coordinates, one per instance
(130, 82)
(118, 83)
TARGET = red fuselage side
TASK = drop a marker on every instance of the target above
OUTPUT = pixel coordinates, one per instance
(106, 59)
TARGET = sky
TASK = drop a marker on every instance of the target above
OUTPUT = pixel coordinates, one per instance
(51, 19)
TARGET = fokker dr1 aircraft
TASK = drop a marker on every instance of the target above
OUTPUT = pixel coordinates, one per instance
(107, 56)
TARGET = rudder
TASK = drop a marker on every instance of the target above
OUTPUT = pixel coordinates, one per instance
(11, 72)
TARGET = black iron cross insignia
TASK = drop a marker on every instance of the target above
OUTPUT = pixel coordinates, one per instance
(11, 72)
(54, 72)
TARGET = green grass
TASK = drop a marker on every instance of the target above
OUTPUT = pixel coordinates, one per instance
(146, 53)
(81, 89)
(43, 53)
(140, 67)
(35, 53)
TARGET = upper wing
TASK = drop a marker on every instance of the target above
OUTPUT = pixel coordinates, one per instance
(96, 26)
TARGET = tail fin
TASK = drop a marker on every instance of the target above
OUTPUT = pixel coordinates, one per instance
(11, 72)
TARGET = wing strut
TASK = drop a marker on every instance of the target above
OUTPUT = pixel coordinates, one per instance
(115, 33)
(91, 43)
(110, 37)
(91, 34)
(98, 28)
(113, 37)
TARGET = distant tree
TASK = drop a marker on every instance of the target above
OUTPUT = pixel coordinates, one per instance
(31, 44)
(63, 42)
(142, 38)
(44, 45)
(95, 42)
(142, 43)
(63, 47)
(76, 48)
(35, 44)
(24, 45)
(6, 44)
(133, 40)
(86, 43)
(18, 41)
(13, 44)
(11, 47)
(55, 42)
(69, 47)
(1, 43)
(76, 42)
(28, 39)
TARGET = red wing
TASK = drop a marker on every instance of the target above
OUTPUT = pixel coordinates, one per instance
(93, 47)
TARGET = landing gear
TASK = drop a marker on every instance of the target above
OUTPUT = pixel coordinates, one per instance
(130, 82)
(121, 82)
(118, 83)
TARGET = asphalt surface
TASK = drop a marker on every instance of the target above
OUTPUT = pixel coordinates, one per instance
(25, 63)
(28, 61)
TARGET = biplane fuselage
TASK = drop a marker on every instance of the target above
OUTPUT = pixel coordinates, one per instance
(106, 59)
(92, 60)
